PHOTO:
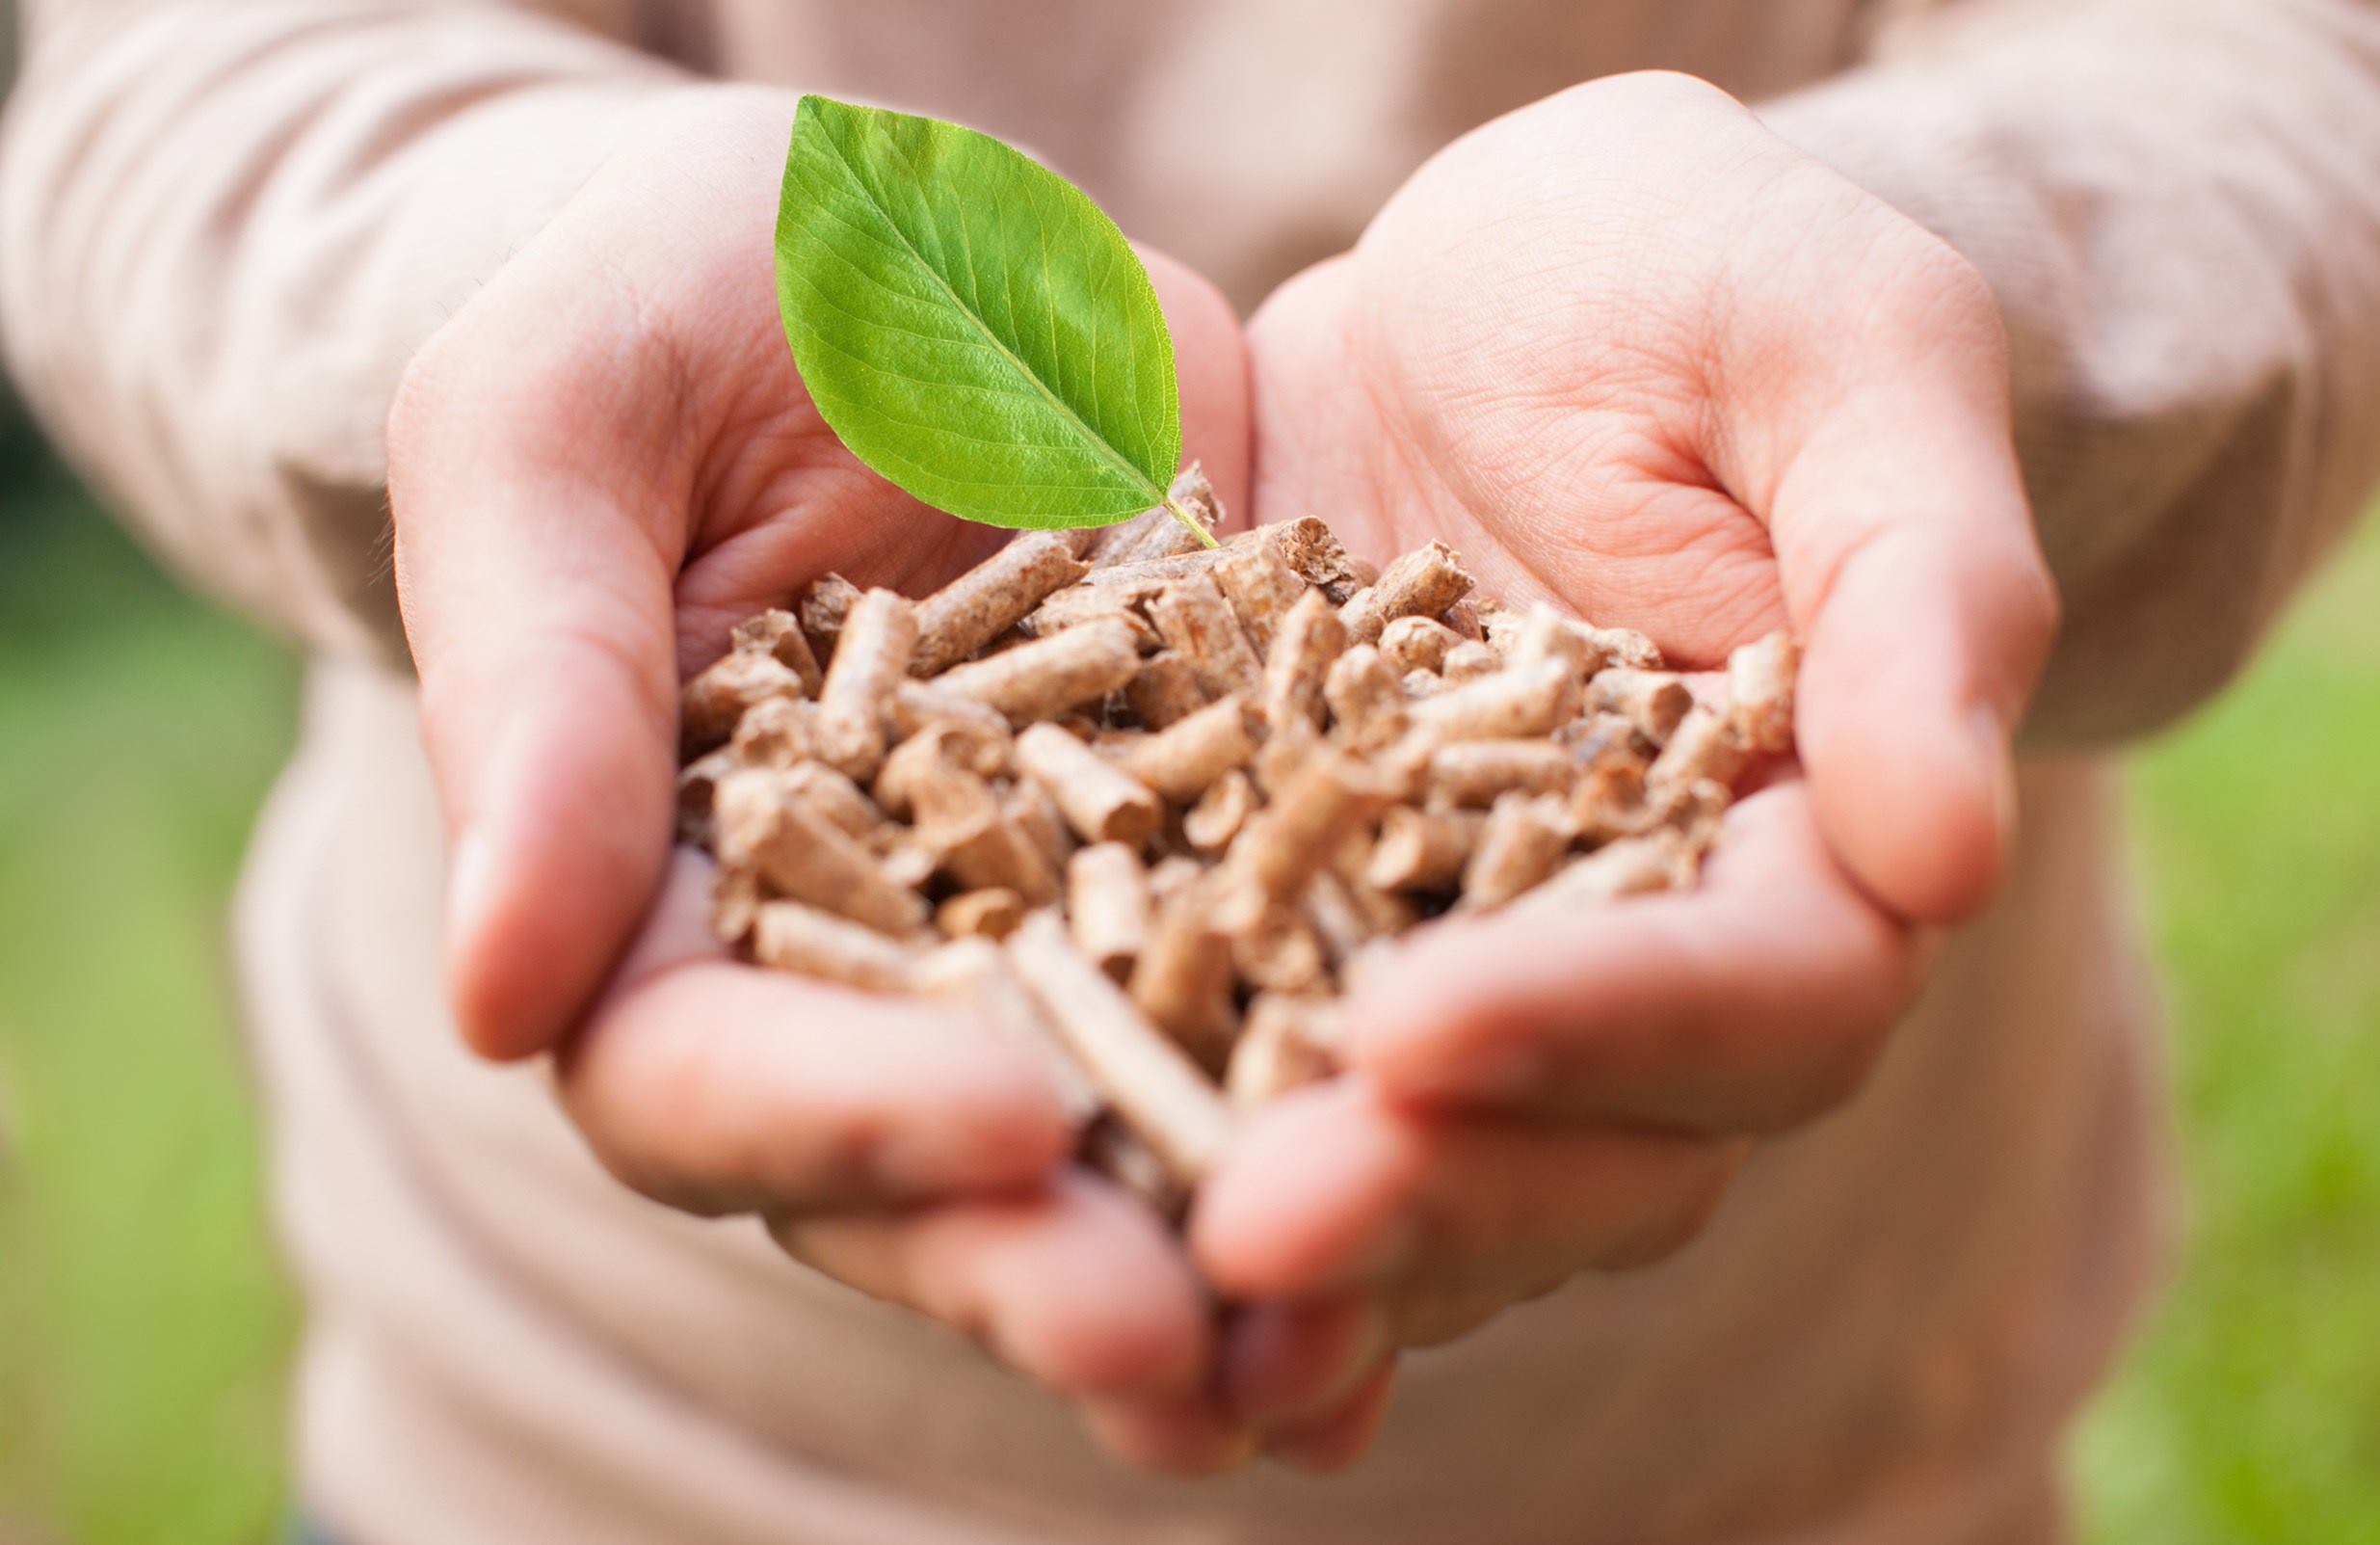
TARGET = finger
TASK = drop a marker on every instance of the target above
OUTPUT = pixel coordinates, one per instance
(1188, 1436)
(1332, 1188)
(1336, 1441)
(1291, 1364)
(535, 579)
(1076, 1285)
(1749, 1004)
(716, 1087)
(1906, 548)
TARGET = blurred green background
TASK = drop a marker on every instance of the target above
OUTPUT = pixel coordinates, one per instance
(143, 1334)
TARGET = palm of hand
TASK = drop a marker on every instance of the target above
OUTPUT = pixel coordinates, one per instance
(1629, 352)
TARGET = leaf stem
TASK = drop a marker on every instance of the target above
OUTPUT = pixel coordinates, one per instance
(1198, 527)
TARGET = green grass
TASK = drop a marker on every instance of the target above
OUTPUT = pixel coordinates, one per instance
(143, 1330)
(143, 1333)
(2252, 1409)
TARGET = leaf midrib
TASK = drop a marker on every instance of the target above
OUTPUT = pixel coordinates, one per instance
(1098, 441)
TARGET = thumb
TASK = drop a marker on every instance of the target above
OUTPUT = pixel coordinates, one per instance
(538, 605)
(1911, 575)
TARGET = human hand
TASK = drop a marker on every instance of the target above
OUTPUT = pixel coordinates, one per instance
(600, 465)
(1628, 350)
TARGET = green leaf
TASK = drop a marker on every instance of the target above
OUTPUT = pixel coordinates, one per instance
(971, 324)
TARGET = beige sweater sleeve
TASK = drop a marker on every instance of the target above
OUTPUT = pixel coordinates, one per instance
(2179, 205)
(231, 222)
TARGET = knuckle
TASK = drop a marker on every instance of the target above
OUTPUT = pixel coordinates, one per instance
(1928, 293)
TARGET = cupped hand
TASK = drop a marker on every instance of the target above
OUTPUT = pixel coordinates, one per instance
(1629, 351)
(602, 463)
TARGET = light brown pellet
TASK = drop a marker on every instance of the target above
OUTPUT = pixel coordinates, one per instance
(1423, 850)
(1163, 691)
(1654, 702)
(1411, 644)
(1275, 948)
(1148, 1078)
(1182, 761)
(835, 798)
(1469, 661)
(991, 598)
(1100, 800)
(1701, 747)
(1319, 809)
(1286, 1042)
(992, 914)
(1759, 686)
(763, 824)
(870, 659)
(778, 634)
(1467, 618)
(1421, 583)
(778, 733)
(1368, 707)
(1107, 906)
(1030, 809)
(1473, 773)
(1522, 840)
(1512, 703)
(823, 608)
(917, 705)
(788, 936)
(1298, 665)
(1210, 825)
(1260, 589)
(721, 693)
(987, 851)
(1043, 678)
(1196, 623)
(1608, 802)
(1183, 977)
(1312, 552)
(906, 859)
(1350, 913)
(939, 775)
(1083, 604)
(1546, 634)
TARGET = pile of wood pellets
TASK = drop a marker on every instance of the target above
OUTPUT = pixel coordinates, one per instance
(1151, 808)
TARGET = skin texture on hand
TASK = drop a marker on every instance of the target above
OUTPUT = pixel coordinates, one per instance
(1629, 351)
